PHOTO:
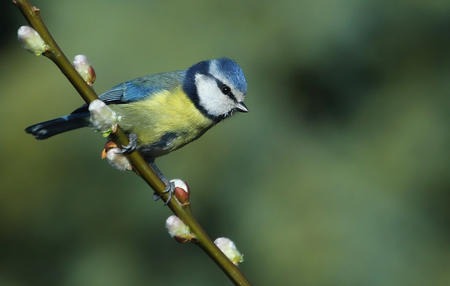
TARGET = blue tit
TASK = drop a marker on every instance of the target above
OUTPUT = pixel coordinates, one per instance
(168, 110)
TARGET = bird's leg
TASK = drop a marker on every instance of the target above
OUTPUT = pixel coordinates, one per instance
(131, 145)
(169, 186)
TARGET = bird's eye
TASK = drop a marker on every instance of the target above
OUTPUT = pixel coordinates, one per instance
(225, 89)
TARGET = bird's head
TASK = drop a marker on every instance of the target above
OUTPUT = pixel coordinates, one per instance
(217, 87)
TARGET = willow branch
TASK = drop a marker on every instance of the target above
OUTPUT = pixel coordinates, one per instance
(32, 14)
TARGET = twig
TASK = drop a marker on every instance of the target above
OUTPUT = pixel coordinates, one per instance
(32, 14)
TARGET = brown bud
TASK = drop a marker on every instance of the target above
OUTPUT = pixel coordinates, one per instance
(181, 239)
(182, 191)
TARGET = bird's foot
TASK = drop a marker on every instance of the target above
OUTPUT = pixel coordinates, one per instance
(127, 149)
(170, 188)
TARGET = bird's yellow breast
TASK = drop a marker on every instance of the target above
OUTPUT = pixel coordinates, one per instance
(165, 118)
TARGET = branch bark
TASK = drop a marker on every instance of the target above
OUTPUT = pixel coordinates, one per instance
(32, 14)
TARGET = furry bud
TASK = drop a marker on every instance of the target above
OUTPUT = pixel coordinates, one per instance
(84, 68)
(31, 40)
(103, 118)
(230, 250)
(178, 230)
(111, 153)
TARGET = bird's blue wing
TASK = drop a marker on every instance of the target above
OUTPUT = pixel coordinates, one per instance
(139, 88)
(142, 87)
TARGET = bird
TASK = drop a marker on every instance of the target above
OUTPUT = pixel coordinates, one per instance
(163, 112)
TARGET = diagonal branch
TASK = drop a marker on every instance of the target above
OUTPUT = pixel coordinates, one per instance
(32, 14)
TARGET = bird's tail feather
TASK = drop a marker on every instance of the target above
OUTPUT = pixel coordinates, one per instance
(52, 127)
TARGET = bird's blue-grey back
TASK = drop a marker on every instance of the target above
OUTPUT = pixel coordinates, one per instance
(143, 87)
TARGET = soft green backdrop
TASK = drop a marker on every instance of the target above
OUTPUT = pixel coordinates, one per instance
(338, 175)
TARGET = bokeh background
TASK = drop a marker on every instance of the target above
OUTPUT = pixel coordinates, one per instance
(338, 175)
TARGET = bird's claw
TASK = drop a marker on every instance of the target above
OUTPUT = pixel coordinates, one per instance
(127, 149)
(170, 188)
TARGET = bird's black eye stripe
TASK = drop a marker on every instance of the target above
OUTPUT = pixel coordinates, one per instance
(226, 90)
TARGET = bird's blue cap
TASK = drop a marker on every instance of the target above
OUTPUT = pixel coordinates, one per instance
(221, 69)
(233, 72)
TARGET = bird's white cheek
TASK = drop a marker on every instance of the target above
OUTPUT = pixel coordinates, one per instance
(210, 96)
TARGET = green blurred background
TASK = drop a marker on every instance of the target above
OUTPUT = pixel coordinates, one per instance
(339, 175)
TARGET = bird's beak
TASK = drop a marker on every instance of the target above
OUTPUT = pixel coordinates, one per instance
(241, 107)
